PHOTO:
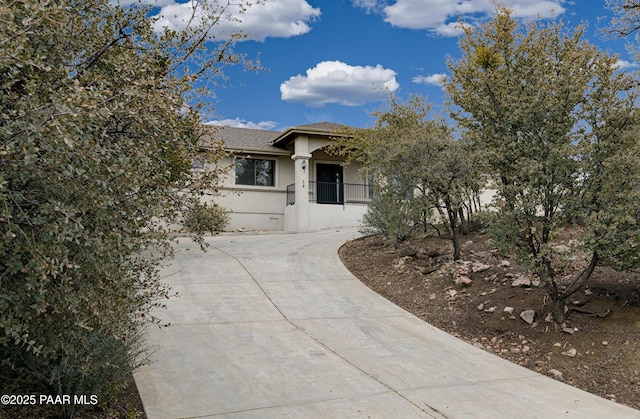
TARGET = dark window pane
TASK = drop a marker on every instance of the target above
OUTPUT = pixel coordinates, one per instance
(264, 172)
(255, 172)
(244, 172)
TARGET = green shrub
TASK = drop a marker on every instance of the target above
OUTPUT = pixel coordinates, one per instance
(97, 369)
(203, 218)
(389, 214)
(480, 221)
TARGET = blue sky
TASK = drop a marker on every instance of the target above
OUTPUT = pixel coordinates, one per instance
(334, 60)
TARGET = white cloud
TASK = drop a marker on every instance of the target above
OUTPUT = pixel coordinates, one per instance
(243, 123)
(441, 16)
(624, 64)
(433, 79)
(272, 19)
(369, 5)
(337, 82)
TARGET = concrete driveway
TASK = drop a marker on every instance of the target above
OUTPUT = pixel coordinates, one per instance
(274, 326)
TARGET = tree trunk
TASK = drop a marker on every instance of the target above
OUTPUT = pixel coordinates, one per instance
(453, 224)
(556, 297)
(557, 307)
(464, 222)
(444, 219)
(456, 244)
(435, 227)
(584, 276)
(476, 202)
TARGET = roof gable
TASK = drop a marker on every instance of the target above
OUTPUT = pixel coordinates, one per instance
(324, 129)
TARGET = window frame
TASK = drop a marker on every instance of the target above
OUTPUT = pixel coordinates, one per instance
(273, 171)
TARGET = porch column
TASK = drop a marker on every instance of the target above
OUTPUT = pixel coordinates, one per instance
(301, 159)
(301, 163)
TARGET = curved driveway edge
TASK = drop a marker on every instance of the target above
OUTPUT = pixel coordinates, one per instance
(274, 325)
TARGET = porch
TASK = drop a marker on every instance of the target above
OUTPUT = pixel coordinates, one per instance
(330, 205)
(333, 193)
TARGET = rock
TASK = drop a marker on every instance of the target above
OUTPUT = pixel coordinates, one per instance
(465, 281)
(491, 309)
(571, 352)
(426, 270)
(449, 270)
(505, 263)
(549, 318)
(605, 343)
(452, 293)
(408, 251)
(480, 267)
(568, 330)
(433, 253)
(521, 281)
(432, 296)
(556, 374)
(508, 310)
(480, 307)
(399, 265)
(528, 316)
(535, 282)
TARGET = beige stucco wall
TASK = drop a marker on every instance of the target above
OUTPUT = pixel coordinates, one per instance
(256, 207)
(351, 173)
(323, 216)
(263, 208)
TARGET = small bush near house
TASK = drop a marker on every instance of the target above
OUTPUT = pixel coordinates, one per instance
(206, 218)
(390, 215)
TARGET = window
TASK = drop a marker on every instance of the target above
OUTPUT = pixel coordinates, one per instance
(199, 163)
(257, 172)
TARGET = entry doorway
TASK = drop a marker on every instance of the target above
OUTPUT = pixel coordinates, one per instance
(329, 185)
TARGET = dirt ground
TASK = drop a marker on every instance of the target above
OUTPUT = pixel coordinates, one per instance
(480, 299)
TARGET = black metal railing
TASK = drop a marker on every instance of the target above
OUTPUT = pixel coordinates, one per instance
(291, 194)
(334, 193)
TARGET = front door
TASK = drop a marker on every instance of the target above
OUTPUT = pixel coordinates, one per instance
(329, 187)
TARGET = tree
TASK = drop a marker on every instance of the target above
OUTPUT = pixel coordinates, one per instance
(627, 17)
(552, 113)
(418, 169)
(99, 124)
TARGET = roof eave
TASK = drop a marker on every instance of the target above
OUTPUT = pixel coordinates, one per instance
(279, 152)
(283, 139)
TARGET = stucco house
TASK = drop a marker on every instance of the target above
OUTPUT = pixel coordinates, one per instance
(285, 180)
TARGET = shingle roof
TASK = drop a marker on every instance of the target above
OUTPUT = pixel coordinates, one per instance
(260, 140)
(319, 126)
(242, 139)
